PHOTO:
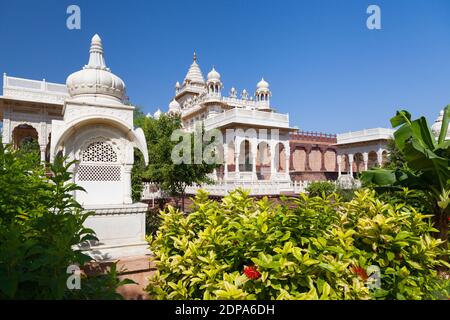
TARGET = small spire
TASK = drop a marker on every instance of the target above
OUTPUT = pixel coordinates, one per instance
(96, 59)
(195, 56)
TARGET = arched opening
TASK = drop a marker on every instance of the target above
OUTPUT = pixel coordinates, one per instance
(230, 156)
(315, 159)
(372, 160)
(280, 157)
(358, 163)
(26, 135)
(330, 160)
(299, 159)
(345, 168)
(263, 161)
(245, 157)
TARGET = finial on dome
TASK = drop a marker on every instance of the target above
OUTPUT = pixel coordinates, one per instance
(96, 59)
(96, 38)
(194, 74)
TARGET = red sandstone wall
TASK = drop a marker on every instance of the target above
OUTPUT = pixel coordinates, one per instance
(313, 156)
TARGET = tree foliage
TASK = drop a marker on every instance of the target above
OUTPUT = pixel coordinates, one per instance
(320, 188)
(40, 223)
(171, 178)
(426, 164)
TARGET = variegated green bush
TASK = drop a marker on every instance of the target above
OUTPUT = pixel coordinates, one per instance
(306, 248)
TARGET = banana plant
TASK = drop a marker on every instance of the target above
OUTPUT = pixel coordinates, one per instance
(427, 166)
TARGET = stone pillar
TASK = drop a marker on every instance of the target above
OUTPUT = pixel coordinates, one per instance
(255, 177)
(42, 148)
(366, 160)
(127, 183)
(272, 160)
(287, 152)
(236, 163)
(380, 158)
(338, 160)
(291, 157)
(307, 153)
(322, 157)
(225, 158)
(350, 164)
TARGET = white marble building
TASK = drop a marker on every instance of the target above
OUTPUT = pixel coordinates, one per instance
(255, 146)
(361, 150)
(85, 120)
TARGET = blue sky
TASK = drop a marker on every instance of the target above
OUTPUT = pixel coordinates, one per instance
(325, 68)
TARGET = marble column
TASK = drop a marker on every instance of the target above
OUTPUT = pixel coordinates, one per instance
(255, 177)
(127, 183)
(225, 158)
(338, 160)
(272, 160)
(287, 152)
(350, 164)
(236, 164)
(380, 158)
(366, 160)
(42, 148)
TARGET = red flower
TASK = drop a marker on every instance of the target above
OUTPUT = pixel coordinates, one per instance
(360, 272)
(251, 272)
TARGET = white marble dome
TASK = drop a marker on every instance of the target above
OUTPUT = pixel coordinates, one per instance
(213, 75)
(174, 106)
(95, 78)
(436, 127)
(263, 84)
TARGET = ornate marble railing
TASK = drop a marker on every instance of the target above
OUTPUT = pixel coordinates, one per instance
(256, 188)
(250, 117)
(365, 135)
(34, 90)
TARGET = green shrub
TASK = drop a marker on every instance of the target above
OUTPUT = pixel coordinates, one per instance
(346, 194)
(323, 248)
(40, 222)
(321, 188)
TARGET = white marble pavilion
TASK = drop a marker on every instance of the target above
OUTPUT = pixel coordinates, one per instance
(85, 120)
